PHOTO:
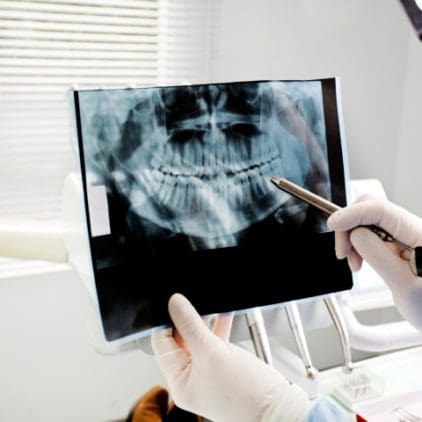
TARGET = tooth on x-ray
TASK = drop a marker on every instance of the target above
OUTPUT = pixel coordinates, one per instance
(195, 162)
(198, 160)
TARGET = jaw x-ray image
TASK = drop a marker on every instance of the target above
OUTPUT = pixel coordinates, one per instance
(179, 196)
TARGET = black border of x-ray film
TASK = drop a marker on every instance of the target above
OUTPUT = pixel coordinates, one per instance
(338, 280)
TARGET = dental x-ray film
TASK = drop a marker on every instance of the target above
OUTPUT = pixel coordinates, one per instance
(179, 199)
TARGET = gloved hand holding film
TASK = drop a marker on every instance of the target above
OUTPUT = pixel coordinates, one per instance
(213, 378)
(358, 243)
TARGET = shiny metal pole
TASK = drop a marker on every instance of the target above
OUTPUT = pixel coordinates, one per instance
(259, 335)
(338, 320)
(296, 326)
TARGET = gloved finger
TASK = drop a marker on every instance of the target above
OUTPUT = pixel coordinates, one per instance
(179, 339)
(223, 326)
(355, 215)
(171, 358)
(342, 243)
(169, 350)
(335, 221)
(163, 342)
(188, 323)
(399, 223)
(354, 260)
(382, 257)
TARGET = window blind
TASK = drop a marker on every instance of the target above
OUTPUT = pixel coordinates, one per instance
(48, 46)
(188, 40)
(45, 48)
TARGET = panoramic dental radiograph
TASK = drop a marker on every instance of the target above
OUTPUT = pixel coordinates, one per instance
(177, 183)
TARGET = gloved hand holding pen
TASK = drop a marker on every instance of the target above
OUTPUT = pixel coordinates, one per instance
(357, 243)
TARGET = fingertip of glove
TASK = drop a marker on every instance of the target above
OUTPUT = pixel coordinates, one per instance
(354, 261)
(352, 265)
(340, 254)
(333, 220)
(342, 249)
(182, 313)
(176, 300)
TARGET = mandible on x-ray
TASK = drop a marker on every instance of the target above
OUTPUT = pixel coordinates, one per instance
(201, 164)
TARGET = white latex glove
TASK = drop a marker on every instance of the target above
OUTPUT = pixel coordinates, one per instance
(217, 380)
(385, 257)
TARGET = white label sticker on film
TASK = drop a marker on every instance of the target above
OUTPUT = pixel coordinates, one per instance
(98, 211)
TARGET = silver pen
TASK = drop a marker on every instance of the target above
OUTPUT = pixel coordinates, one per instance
(413, 255)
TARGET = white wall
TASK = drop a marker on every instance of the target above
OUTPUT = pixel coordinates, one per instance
(408, 171)
(49, 370)
(365, 43)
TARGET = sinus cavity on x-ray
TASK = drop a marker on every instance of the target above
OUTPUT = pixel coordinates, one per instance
(179, 198)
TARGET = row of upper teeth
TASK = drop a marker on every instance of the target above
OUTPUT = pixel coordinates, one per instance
(206, 172)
